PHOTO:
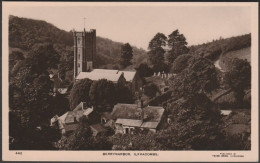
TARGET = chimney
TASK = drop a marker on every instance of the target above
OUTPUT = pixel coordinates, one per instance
(140, 104)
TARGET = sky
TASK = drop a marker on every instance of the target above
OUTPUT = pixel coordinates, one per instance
(138, 24)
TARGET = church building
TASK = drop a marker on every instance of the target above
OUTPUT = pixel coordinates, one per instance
(85, 58)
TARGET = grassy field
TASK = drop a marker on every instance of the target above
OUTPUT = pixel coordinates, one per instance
(244, 53)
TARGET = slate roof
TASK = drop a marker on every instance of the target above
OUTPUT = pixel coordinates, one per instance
(73, 115)
(71, 127)
(126, 111)
(63, 117)
(129, 122)
(81, 106)
(97, 76)
(88, 111)
(131, 115)
(131, 111)
(149, 124)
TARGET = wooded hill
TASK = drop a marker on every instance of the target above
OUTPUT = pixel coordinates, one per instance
(24, 33)
(223, 48)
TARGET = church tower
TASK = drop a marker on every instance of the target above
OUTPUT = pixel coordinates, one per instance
(84, 51)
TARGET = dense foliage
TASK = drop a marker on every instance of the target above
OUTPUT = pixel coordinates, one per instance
(156, 52)
(24, 33)
(80, 93)
(177, 44)
(103, 93)
(239, 78)
(126, 55)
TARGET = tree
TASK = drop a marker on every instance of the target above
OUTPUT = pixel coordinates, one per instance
(102, 94)
(199, 76)
(180, 63)
(195, 125)
(144, 70)
(66, 63)
(60, 104)
(139, 140)
(150, 90)
(158, 41)
(14, 57)
(177, 44)
(124, 94)
(126, 55)
(239, 77)
(156, 52)
(45, 53)
(82, 139)
(80, 93)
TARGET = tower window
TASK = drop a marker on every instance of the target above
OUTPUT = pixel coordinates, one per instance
(78, 65)
(79, 40)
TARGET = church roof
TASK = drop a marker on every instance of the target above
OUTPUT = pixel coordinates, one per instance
(105, 71)
(97, 76)
(129, 75)
(112, 75)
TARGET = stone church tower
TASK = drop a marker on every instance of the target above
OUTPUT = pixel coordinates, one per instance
(84, 51)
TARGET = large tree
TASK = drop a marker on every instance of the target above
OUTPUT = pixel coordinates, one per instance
(180, 63)
(103, 94)
(199, 76)
(239, 77)
(31, 87)
(144, 70)
(126, 55)
(177, 44)
(139, 140)
(82, 139)
(156, 52)
(46, 54)
(80, 93)
(195, 125)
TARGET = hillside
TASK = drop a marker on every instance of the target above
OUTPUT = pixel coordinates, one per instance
(212, 50)
(24, 33)
(244, 53)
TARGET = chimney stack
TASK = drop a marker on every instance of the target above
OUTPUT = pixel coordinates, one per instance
(140, 104)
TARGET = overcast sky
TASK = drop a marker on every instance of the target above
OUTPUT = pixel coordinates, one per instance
(138, 24)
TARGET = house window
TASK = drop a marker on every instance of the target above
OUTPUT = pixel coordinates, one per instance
(126, 130)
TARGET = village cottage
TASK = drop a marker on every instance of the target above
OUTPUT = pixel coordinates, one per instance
(127, 117)
(70, 121)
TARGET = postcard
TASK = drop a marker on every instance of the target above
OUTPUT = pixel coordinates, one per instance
(130, 81)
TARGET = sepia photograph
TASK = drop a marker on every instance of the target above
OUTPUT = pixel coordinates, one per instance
(130, 80)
